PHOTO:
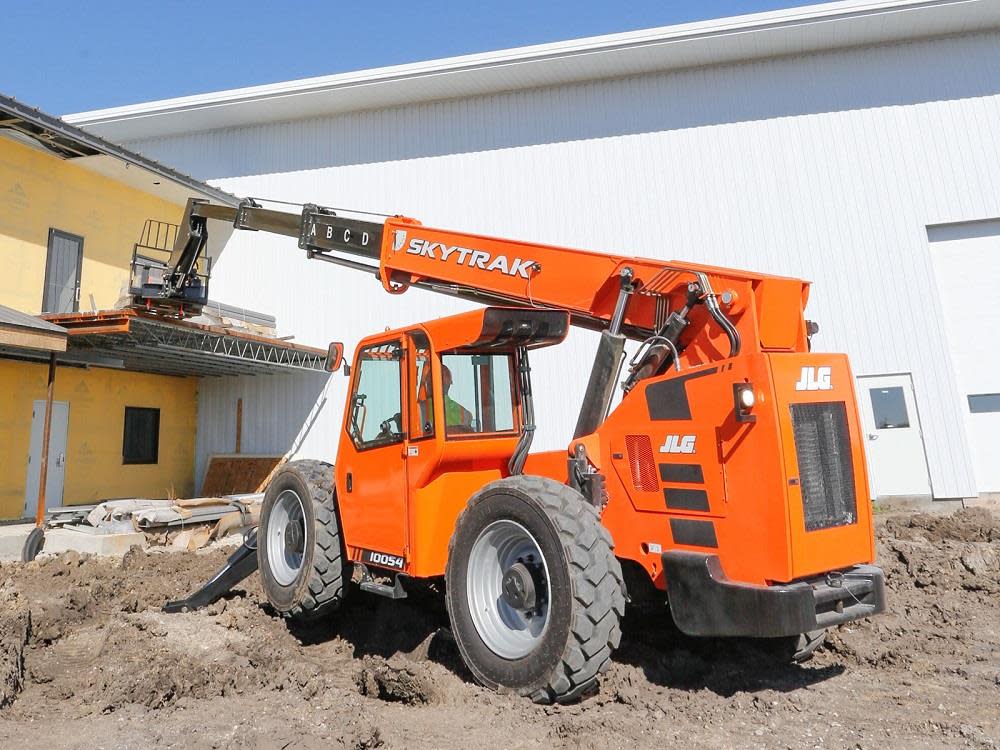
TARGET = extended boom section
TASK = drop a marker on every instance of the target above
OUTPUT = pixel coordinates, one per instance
(729, 309)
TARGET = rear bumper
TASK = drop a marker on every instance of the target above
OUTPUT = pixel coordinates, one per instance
(704, 602)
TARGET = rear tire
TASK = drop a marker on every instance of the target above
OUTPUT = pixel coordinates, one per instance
(534, 534)
(299, 549)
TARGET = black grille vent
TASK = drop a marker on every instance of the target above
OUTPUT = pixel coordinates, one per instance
(826, 470)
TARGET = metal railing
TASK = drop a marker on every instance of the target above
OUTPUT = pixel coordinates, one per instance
(151, 258)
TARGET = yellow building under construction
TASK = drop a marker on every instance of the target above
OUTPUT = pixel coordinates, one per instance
(74, 211)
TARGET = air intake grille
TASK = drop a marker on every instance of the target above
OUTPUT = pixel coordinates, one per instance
(826, 470)
(640, 463)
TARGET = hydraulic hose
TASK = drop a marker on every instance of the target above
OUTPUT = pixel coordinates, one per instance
(712, 304)
(516, 464)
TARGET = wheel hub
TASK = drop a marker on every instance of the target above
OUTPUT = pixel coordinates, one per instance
(507, 584)
(518, 587)
(294, 536)
(285, 537)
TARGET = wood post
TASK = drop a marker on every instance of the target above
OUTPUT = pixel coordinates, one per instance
(43, 469)
(239, 425)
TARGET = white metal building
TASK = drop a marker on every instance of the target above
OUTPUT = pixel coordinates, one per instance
(856, 144)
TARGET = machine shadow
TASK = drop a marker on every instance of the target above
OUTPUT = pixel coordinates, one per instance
(726, 666)
(416, 627)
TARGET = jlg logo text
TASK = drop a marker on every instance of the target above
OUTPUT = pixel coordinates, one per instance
(678, 444)
(814, 379)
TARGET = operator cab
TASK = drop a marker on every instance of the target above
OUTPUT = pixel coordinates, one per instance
(475, 379)
(433, 408)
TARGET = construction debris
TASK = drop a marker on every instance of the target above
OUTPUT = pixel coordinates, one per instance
(187, 524)
(229, 316)
(148, 515)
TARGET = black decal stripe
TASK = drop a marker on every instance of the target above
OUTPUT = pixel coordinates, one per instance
(685, 499)
(694, 533)
(687, 473)
(668, 399)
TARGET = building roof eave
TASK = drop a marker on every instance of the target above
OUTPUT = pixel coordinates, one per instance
(72, 142)
(760, 35)
(20, 331)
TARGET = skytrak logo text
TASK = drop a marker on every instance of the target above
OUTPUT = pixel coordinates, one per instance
(467, 256)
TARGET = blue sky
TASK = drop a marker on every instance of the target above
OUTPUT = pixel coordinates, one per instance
(73, 56)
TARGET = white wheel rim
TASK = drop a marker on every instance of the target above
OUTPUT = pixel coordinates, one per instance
(508, 632)
(286, 538)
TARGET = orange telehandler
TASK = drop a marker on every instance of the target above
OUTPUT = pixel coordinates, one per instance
(729, 480)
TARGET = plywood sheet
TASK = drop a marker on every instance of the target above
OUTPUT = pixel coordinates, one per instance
(236, 474)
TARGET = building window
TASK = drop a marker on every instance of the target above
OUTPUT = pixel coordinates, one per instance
(889, 408)
(984, 403)
(141, 444)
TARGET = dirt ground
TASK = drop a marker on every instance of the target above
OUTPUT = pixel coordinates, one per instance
(87, 660)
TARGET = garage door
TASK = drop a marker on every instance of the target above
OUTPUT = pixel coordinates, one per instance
(967, 263)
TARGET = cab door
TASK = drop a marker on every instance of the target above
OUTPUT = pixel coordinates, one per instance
(371, 464)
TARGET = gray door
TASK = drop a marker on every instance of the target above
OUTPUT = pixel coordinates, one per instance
(62, 273)
(57, 457)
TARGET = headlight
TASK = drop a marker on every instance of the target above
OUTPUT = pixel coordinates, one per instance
(744, 399)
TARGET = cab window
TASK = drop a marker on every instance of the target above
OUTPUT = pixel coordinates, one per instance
(477, 393)
(376, 410)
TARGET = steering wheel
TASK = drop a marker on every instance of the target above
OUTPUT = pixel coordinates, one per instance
(385, 426)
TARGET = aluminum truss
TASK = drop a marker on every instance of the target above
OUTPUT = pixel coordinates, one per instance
(178, 349)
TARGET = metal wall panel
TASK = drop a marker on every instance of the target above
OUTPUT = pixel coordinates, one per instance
(281, 413)
(827, 166)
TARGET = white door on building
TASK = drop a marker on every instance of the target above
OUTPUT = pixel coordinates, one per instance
(57, 456)
(967, 261)
(897, 464)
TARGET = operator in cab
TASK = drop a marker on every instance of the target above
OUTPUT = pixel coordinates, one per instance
(456, 417)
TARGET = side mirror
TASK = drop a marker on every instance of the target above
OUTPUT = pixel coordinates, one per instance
(334, 357)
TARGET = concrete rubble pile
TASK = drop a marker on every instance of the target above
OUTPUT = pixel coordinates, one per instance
(179, 523)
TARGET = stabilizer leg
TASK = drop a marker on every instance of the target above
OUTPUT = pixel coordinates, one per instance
(240, 564)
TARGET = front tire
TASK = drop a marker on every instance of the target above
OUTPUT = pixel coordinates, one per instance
(299, 549)
(534, 591)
